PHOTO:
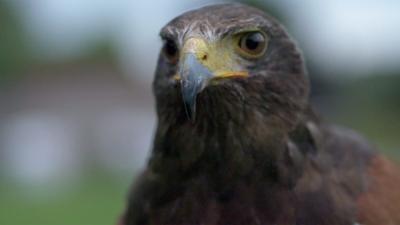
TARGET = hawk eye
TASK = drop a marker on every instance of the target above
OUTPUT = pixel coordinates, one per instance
(252, 44)
(170, 50)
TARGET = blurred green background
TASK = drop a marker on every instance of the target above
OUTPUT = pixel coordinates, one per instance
(76, 109)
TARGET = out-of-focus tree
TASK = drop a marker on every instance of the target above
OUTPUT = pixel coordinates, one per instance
(14, 53)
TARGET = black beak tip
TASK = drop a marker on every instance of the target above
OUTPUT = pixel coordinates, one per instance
(190, 113)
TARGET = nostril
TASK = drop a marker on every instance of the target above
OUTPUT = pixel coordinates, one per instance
(204, 58)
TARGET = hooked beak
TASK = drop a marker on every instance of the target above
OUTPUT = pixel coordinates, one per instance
(199, 64)
(193, 77)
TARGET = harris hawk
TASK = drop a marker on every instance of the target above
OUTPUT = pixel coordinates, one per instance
(237, 142)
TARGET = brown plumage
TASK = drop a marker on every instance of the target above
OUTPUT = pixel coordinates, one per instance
(237, 142)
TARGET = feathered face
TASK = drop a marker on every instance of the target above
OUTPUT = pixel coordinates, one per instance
(229, 62)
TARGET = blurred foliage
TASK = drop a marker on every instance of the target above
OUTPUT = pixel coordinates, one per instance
(16, 56)
(371, 105)
(378, 91)
(14, 53)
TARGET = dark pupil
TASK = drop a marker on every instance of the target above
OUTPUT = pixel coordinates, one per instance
(253, 41)
(170, 48)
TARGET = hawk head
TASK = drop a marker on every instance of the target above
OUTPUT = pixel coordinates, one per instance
(229, 63)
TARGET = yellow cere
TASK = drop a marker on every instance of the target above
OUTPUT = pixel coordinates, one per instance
(222, 75)
(218, 56)
(231, 74)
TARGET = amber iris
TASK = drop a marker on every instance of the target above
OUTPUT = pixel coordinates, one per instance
(252, 44)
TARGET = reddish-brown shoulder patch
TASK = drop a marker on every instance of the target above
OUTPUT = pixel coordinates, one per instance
(380, 204)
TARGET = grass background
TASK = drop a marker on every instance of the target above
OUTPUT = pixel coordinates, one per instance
(95, 201)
